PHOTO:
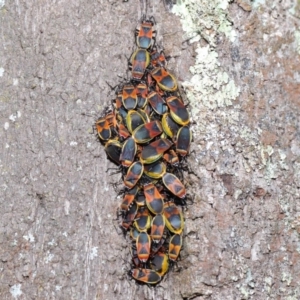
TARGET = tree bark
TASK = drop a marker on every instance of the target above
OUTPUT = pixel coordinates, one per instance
(239, 67)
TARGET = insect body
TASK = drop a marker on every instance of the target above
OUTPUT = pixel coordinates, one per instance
(134, 119)
(157, 228)
(171, 157)
(146, 132)
(133, 175)
(143, 219)
(175, 245)
(169, 126)
(154, 199)
(142, 92)
(129, 96)
(139, 62)
(145, 34)
(173, 217)
(128, 199)
(178, 111)
(155, 170)
(165, 80)
(155, 151)
(174, 185)
(129, 216)
(183, 141)
(157, 59)
(157, 103)
(103, 129)
(128, 152)
(160, 263)
(113, 150)
(143, 246)
(146, 275)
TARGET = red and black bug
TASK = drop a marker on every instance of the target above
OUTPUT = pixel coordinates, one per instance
(146, 132)
(145, 34)
(147, 276)
(174, 185)
(165, 80)
(169, 126)
(133, 120)
(155, 151)
(178, 110)
(142, 92)
(157, 228)
(183, 141)
(157, 103)
(129, 217)
(143, 246)
(133, 175)
(158, 59)
(129, 199)
(154, 199)
(138, 64)
(171, 157)
(103, 129)
(160, 263)
(173, 217)
(129, 96)
(143, 219)
(155, 170)
(175, 245)
(127, 155)
(113, 150)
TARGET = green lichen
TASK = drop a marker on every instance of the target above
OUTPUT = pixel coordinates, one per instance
(273, 160)
(257, 3)
(245, 292)
(210, 85)
(205, 18)
(212, 94)
(268, 284)
(297, 40)
(286, 277)
(295, 9)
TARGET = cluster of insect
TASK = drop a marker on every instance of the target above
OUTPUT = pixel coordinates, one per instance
(147, 134)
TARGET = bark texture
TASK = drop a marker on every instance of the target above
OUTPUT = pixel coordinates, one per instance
(239, 64)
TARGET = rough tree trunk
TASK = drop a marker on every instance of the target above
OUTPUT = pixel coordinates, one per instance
(239, 66)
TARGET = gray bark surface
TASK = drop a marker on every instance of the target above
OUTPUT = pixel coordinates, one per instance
(58, 235)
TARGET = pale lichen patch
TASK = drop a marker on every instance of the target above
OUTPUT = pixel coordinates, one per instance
(257, 3)
(211, 89)
(93, 253)
(16, 291)
(29, 238)
(210, 86)
(245, 155)
(297, 40)
(205, 18)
